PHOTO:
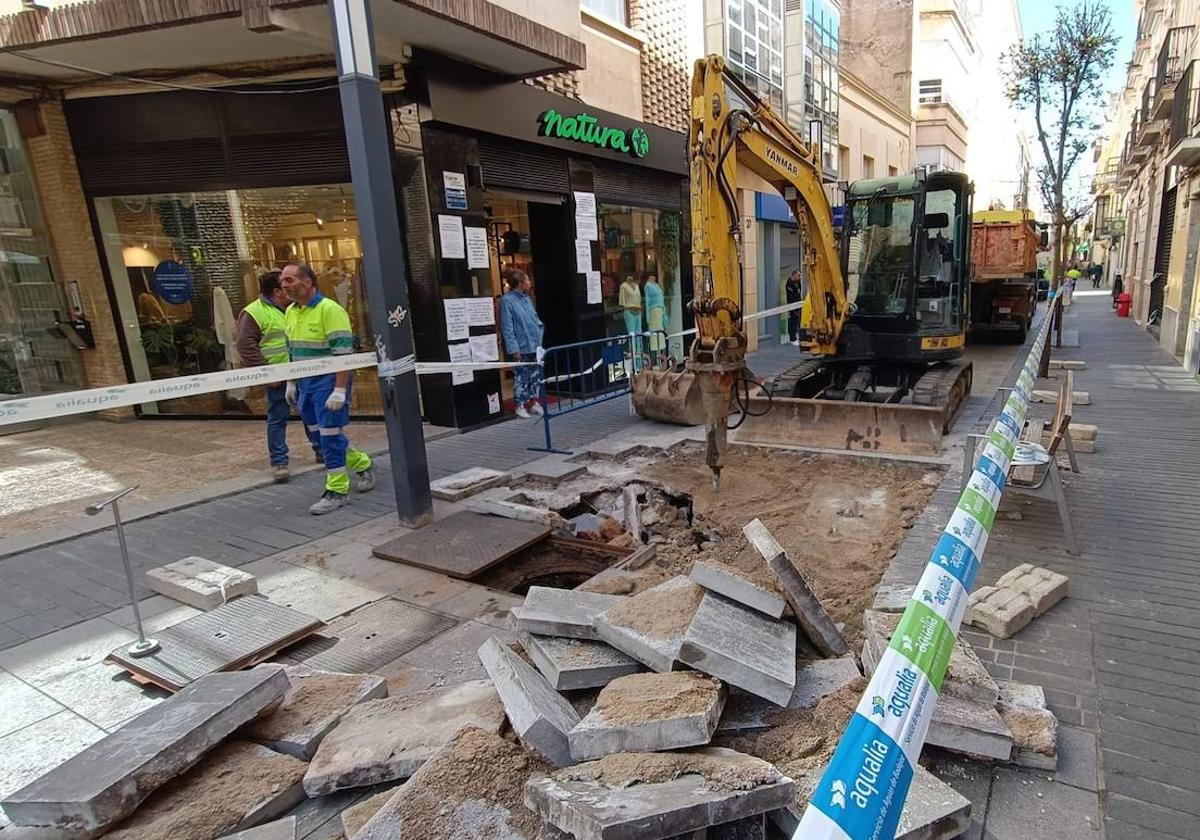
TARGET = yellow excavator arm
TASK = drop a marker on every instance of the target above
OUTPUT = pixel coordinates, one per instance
(731, 126)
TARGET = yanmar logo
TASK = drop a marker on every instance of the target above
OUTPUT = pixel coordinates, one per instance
(780, 160)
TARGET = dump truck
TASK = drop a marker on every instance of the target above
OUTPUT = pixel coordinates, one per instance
(1004, 249)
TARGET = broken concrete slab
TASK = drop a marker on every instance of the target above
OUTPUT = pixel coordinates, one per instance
(468, 482)
(109, 779)
(471, 790)
(235, 787)
(1001, 612)
(1043, 587)
(540, 715)
(311, 708)
(1034, 727)
(360, 813)
(811, 616)
(648, 713)
(200, 583)
(736, 585)
(284, 829)
(552, 468)
(814, 680)
(388, 739)
(970, 728)
(966, 676)
(932, 809)
(514, 510)
(893, 597)
(577, 663)
(649, 796)
(570, 613)
(742, 647)
(650, 626)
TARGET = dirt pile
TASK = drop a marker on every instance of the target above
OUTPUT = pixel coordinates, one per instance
(663, 614)
(644, 698)
(623, 770)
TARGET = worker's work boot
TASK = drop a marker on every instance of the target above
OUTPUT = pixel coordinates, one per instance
(280, 473)
(328, 503)
(364, 481)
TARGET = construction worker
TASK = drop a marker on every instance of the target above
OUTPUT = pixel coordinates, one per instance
(261, 341)
(317, 326)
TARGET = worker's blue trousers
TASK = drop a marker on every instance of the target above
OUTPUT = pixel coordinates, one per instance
(326, 430)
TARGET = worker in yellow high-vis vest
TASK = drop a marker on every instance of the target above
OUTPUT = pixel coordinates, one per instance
(317, 326)
(261, 341)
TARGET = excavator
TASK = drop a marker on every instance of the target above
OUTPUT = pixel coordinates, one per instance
(885, 309)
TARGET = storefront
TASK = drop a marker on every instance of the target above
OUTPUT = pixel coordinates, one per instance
(582, 200)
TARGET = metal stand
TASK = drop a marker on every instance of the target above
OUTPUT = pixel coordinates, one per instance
(143, 646)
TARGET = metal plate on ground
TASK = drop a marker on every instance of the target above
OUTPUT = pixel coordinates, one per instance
(370, 637)
(463, 545)
(237, 634)
(1070, 338)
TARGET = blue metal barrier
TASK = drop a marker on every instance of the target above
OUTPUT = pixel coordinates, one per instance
(585, 373)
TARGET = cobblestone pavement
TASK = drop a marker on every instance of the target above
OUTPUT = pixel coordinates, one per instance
(1120, 658)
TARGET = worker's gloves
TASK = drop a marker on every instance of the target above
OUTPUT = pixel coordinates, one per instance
(541, 354)
(290, 393)
(337, 399)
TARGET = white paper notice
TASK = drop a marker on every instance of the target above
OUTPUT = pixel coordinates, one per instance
(480, 312)
(450, 229)
(456, 319)
(483, 348)
(477, 249)
(593, 287)
(493, 403)
(583, 256)
(461, 353)
(585, 216)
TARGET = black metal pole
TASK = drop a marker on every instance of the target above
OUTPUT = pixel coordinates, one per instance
(384, 267)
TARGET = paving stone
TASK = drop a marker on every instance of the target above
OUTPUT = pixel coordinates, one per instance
(733, 584)
(540, 715)
(966, 676)
(893, 597)
(648, 713)
(468, 482)
(563, 612)
(971, 779)
(1025, 805)
(471, 790)
(552, 468)
(311, 708)
(650, 626)
(1067, 364)
(592, 802)
(1078, 758)
(577, 663)
(1081, 447)
(932, 809)
(284, 829)
(200, 583)
(51, 656)
(811, 616)
(969, 728)
(388, 739)
(109, 779)
(814, 680)
(1001, 612)
(236, 786)
(103, 694)
(514, 510)
(742, 647)
(1043, 587)
(1034, 728)
(23, 704)
(1083, 431)
(360, 813)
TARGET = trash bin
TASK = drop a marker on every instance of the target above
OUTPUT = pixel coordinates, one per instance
(1124, 304)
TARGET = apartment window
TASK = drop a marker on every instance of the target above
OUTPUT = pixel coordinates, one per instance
(843, 160)
(868, 166)
(614, 10)
(822, 30)
(893, 172)
(929, 91)
(754, 51)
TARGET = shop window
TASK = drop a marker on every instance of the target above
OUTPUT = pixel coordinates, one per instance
(641, 245)
(184, 265)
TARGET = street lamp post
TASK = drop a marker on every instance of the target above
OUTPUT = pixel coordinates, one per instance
(383, 254)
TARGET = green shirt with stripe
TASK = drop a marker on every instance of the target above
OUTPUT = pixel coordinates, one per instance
(272, 342)
(318, 328)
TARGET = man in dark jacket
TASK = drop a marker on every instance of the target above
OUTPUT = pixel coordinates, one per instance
(794, 291)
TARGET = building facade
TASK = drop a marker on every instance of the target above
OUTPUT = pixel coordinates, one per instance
(512, 124)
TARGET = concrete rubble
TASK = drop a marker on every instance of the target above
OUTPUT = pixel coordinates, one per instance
(650, 626)
(1034, 727)
(814, 680)
(540, 715)
(563, 612)
(810, 615)
(311, 708)
(200, 583)
(966, 676)
(571, 664)
(738, 586)
(388, 739)
(648, 713)
(468, 482)
(360, 813)
(742, 647)
(1019, 596)
(648, 796)
(111, 778)
(284, 829)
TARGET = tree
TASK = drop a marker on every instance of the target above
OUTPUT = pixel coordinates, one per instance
(1059, 77)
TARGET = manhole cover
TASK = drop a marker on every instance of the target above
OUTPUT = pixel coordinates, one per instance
(463, 545)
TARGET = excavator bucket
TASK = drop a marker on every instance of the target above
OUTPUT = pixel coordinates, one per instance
(668, 396)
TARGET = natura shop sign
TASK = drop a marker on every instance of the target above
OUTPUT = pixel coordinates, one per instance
(586, 129)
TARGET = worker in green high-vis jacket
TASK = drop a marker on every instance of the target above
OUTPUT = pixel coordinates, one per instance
(317, 326)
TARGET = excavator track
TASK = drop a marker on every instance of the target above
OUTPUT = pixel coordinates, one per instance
(784, 385)
(945, 386)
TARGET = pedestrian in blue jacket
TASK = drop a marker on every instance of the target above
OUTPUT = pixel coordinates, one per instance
(522, 331)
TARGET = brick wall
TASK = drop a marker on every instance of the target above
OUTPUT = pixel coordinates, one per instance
(564, 84)
(72, 246)
(666, 75)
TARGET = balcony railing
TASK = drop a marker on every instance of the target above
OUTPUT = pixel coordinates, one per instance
(1169, 69)
(1185, 120)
